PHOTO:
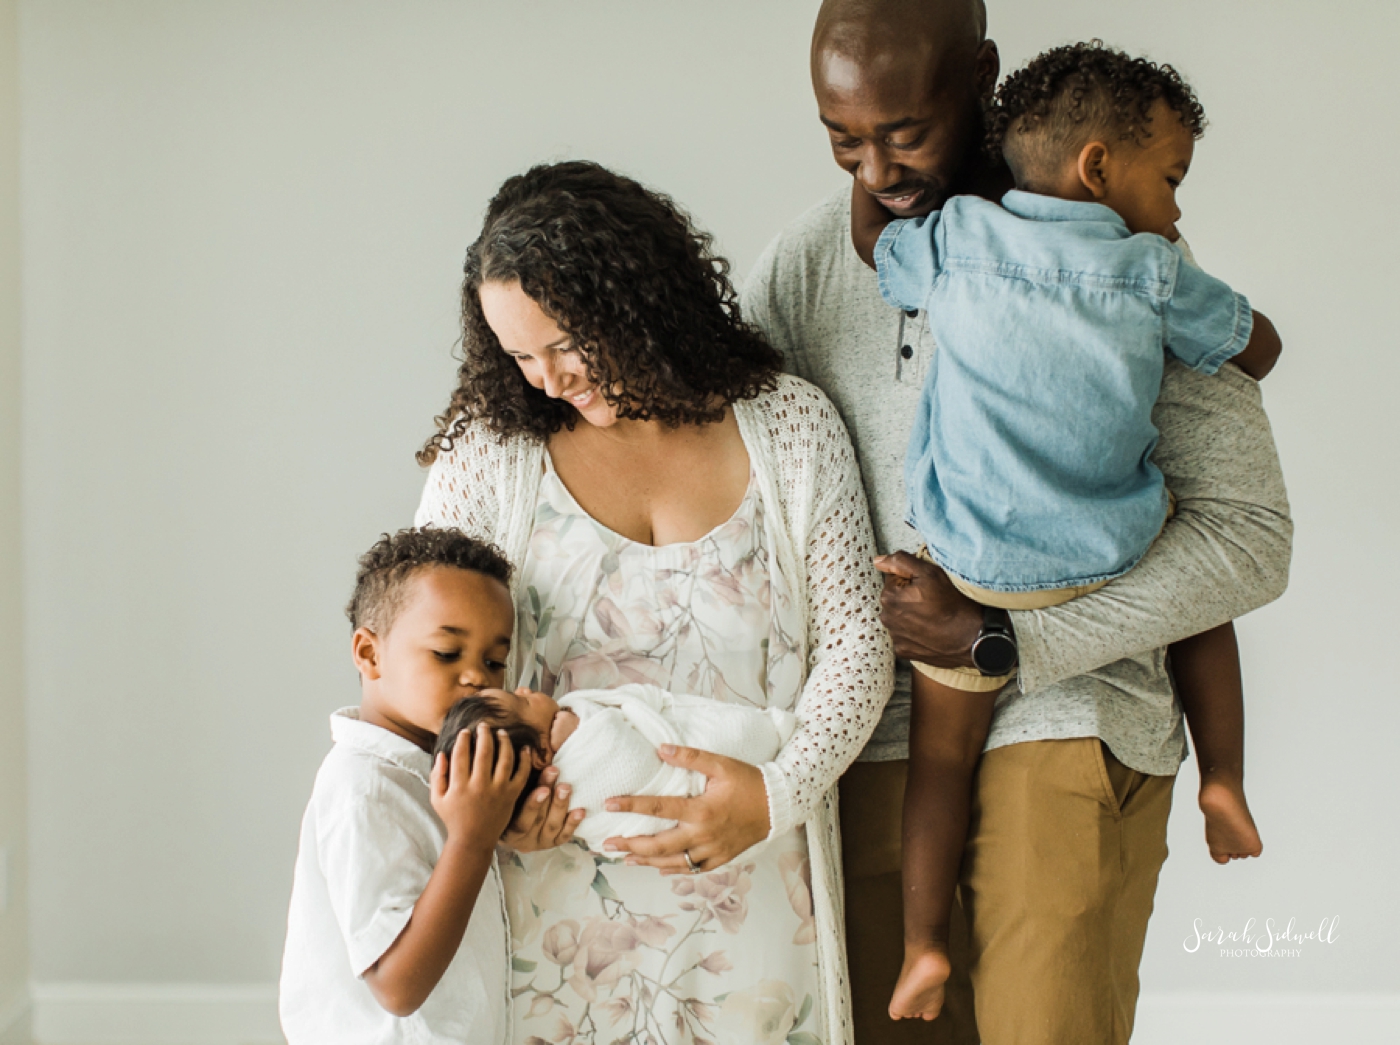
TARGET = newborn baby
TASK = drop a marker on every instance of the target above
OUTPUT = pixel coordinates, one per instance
(604, 741)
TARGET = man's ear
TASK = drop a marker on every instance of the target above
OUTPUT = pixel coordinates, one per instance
(536, 758)
(986, 68)
(364, 651)
(1093, 169)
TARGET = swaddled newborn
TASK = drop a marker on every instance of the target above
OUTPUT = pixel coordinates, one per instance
(604, 741)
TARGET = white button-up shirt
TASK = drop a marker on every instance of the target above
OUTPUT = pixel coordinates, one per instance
(369, 841)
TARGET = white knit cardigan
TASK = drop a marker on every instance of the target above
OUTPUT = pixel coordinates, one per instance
(819, 536)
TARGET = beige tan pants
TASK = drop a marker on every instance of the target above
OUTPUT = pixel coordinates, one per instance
(1063, 851)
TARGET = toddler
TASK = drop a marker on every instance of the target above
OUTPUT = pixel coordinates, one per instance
(604, 744)
(1029, 471)
(395, 931)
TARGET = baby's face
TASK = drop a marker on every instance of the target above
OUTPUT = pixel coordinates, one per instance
(541, 713)
(1142, 179)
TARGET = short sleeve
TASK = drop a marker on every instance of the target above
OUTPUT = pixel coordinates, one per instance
(375, 870)
(1206, 323)
(906, 259)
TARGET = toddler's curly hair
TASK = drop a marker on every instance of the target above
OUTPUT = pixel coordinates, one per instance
(1048, 110)
(382, 580)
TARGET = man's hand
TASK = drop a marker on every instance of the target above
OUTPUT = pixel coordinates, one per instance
(929, 620)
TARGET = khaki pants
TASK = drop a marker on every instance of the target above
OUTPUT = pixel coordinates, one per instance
(1063, 852)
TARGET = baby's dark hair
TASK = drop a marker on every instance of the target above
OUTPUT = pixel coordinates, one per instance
(470, 712)
(385, 570)
(1048, 110)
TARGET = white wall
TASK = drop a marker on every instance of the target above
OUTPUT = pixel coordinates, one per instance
(243, 231)
(14, 932)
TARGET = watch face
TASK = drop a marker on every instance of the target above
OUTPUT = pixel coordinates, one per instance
(994, 654)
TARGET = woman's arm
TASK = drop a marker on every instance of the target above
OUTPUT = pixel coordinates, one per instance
(850, 661)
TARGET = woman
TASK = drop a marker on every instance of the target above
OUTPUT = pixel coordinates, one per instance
(681, 514)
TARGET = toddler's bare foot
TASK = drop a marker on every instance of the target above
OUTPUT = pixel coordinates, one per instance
(1230, 830)
(919, 993)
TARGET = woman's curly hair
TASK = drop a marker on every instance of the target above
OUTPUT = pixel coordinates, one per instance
(625, 274)
(1058, 102)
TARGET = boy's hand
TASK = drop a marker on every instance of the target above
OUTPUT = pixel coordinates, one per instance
(546, 820)
(1262, 352)
(476, 799)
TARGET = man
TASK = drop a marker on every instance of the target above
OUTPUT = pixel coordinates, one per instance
(1068, 827)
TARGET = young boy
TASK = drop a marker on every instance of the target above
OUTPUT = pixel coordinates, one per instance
(1028, 472)
(396, 931)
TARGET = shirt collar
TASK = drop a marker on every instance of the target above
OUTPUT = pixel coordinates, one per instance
(348, 729)
(1035, 207)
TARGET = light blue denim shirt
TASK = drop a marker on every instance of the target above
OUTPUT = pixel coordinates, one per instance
(1028, 464)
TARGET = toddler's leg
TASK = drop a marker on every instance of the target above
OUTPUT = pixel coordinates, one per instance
(1207, 672)
(947, 730)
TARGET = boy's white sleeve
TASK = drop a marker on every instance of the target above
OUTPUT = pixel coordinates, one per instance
(374, 872)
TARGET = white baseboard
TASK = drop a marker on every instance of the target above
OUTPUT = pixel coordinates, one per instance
(211, 1014)
(14, 1017)
(155, 1014)
(1281, 1019)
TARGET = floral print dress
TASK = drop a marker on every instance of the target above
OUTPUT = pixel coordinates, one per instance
(607, 953)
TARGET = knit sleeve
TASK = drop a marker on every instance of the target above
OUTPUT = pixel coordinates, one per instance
(850, 662)
(464, 486)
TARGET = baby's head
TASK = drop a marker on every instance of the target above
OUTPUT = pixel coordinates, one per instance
(1087, 122)
(432, 615)
(532, 720)
(501, 711)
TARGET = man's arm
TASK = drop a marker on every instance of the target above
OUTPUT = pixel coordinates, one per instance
(1224, 553)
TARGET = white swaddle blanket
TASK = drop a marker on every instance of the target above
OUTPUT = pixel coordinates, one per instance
(613, 750)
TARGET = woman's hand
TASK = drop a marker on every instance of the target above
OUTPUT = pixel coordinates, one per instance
(545, 820)
(714, 827)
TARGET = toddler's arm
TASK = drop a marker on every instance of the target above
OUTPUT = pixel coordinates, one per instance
(475, 801)
(868, 220)
(1262, 352)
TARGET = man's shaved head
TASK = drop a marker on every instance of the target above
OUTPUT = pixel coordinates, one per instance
(861, 28)
(901, 86)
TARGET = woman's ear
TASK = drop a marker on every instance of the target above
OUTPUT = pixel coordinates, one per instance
(364, 651)
(537, 758)
(1093, 169)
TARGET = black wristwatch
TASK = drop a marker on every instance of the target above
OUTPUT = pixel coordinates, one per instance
(994, 649)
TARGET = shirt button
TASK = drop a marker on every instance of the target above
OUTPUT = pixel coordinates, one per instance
(912, 313)
(907, 352)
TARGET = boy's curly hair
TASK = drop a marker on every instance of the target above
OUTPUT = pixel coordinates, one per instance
(1053, 106)
(382, 580)
(467, 714)
(625, 274)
